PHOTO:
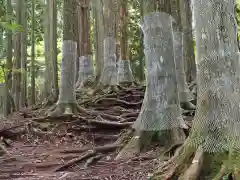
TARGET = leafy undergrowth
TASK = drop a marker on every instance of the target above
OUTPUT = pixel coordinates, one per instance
(78, 147)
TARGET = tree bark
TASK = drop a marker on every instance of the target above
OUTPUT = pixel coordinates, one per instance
(183, 91)
(85, 69)
(188, 45)
(23, 96)
(33, 89)
(160, 112)
(67, 96)
(125, 76)
(17, 59)
(99, 38)
(53, 47)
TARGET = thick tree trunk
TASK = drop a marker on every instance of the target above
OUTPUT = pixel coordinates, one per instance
(216, 123)
(160, 111)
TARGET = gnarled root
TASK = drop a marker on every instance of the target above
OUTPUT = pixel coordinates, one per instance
(141, 140)
(177, 164)
(65, 109)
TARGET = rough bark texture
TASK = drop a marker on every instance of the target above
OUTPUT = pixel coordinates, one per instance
(67, 96)
(188, 54)
(85, 64)
(17, 60)
(160, 111)
(23, 96)
(216, 121)
(184, 93)
(99, 37)
(33, 89)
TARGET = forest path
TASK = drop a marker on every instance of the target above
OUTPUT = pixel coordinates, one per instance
(79, 147)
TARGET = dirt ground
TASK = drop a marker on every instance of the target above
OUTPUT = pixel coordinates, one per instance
(78, 147)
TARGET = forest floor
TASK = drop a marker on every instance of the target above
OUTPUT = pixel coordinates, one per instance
(79, 147)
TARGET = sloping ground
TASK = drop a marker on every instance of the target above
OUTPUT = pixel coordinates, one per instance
(80, 147)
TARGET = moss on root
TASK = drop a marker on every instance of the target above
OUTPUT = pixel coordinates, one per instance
(190, 163)
(140, 141)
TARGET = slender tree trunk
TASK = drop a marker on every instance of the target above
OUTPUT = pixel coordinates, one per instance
(9, 64)
(53, 47)
(188, 45)
(85, 70)
(48, 62)
(17, 64)
(67, 96)
(183, 91)
(1, 42)
(99, 34)
(141, 53)
(124, 69)
(33, 89)
(23, 97)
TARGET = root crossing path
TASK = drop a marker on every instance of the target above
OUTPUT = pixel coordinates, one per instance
(78, 147)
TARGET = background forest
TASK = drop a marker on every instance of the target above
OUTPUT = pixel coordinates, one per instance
(112, 86)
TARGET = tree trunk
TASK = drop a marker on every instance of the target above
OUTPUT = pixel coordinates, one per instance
(188, 45)
(33, 89)
(48, 78)
(53, 47)
(17, 63)
(124, 69)
(99, 37)
(9, 63)
(160, 111)
(85, 70)
(23, 96)
(141, 53)
(67, 96)
(184, 93)
(216, 123)
(109, 73)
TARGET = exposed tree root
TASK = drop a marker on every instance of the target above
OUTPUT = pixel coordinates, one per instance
(65, 109)
(141, 140)
(99, 149)
(90, 153)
